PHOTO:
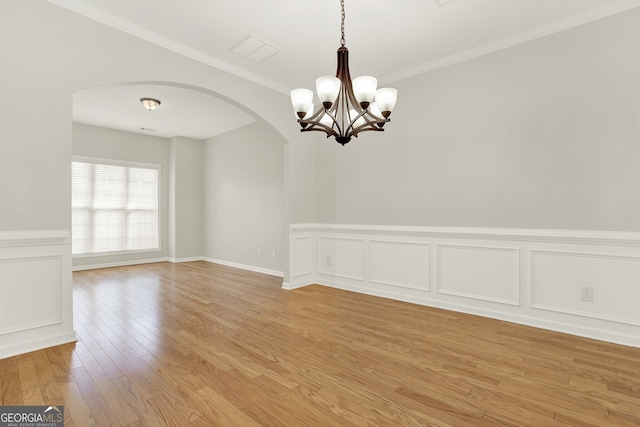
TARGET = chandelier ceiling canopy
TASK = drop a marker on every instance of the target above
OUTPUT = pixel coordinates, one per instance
(348, 107)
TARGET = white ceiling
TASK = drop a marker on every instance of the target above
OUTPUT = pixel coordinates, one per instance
(182, 112)
(387, 39)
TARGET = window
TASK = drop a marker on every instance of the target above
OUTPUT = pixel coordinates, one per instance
(114, 206)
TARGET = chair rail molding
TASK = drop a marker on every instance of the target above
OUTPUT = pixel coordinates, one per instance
(526, 276)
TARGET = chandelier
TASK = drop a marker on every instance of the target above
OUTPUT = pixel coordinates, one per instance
(348, 107)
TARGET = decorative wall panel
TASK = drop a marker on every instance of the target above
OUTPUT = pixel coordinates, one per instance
(480, 272)
(399, 263)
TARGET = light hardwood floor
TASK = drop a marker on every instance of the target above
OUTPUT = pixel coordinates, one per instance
(197, 344)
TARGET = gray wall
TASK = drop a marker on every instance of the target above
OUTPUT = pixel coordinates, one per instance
(541, 135)
(244, 201)
(53, 63)
(92, 141)
(186, 213)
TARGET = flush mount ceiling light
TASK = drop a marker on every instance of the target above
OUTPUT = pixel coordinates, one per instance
(150, 103)
(348, 107)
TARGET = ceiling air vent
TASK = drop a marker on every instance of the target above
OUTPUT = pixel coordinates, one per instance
(255, 49)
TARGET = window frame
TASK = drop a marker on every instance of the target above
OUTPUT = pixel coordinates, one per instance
(122, 163)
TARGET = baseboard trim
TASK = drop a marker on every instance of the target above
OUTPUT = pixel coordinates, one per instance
(180, 260)
(551, 325)
(297, 285)
(493, 272)
(247, 267)
(38, 344)
(118, 264)
(253, 268)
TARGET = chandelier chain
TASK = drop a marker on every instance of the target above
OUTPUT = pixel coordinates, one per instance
(342, 40)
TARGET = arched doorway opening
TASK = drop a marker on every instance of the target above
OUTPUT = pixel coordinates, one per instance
(222, 194)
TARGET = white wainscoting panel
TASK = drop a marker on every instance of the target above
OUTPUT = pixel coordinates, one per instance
(36, 308)
(557, 279)
(30, 293)
(399, 263)
(341, 257)
(526, 276)
(479, 272)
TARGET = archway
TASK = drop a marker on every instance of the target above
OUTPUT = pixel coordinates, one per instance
(189, 192)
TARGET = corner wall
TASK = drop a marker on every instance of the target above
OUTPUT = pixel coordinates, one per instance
(186, 212)
(244, 199)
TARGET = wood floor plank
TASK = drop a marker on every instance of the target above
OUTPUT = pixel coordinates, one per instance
(221, 411)
(31, 394)
(119, 407)
(49, 388)
(11, 389)
(145, 412)
(199, 344)
(76, 411)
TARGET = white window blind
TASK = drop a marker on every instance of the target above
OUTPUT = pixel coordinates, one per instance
(114, 207)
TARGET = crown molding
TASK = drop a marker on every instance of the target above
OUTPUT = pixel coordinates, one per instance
(595, 14)
(114, 22)
(538, 32)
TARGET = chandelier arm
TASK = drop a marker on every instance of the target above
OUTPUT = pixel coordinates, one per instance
(320, 127)
(369, 125)
(330, 133)
(376, 119)
(314, 121)
(352, 122)
(359, 129)
(371, 121)
(332, 114)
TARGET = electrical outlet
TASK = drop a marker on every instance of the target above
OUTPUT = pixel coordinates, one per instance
(328, 261)
(273, 253)
(259, 251)
(587, 294)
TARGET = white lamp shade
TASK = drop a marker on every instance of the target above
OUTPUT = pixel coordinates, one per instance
(301, 100)
(375, 110)
(364, 88)
(328, 88)
(309, 113)
(359, 122)
(386, 98)
(326, 120)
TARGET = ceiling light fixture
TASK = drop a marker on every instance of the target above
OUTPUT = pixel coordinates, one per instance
(348, 107)
(150, 103)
